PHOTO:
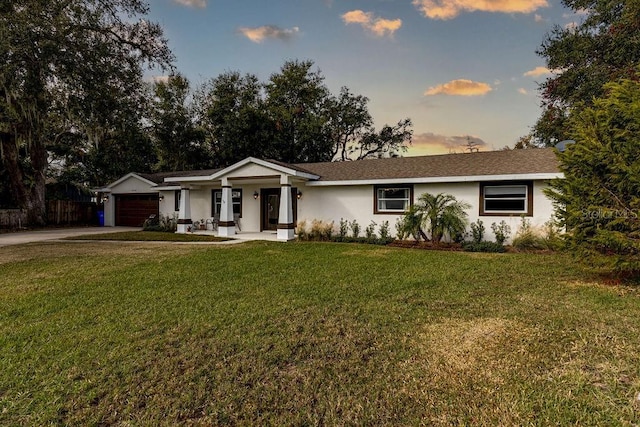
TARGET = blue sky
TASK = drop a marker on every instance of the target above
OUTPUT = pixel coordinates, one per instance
(457, 68)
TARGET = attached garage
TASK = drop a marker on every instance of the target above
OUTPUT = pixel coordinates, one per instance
(133, 209)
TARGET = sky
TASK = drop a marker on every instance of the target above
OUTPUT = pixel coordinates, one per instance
(459, 69)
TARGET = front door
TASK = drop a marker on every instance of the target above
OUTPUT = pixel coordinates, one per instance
(270, 207)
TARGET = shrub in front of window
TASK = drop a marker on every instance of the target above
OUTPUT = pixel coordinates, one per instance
(442, 215)
(528, 238)
(383, 231)
(502, 231)
(477, 231)
(370, 231)
(410, 225)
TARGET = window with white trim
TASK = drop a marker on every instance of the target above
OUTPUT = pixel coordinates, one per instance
(392, 199)
(216, 202)
(506, 199)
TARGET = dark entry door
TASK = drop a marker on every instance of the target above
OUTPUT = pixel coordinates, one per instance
(270, 207)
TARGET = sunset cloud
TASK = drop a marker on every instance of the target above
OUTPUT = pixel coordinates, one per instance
(522, 91)
(431, 143)
(378, 26)
(259, 34)
(461, 87)
(449, 9)
(192, 3)
(537, 72)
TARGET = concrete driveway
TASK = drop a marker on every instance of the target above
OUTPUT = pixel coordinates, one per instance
(20, 237)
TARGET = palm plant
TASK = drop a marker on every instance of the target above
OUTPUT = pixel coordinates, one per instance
(442, 215)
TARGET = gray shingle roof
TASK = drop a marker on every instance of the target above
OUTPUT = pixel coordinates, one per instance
(159, 177)
(508, 162)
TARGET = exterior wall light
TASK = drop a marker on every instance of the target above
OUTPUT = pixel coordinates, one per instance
(299, 195)
(161, 198)
(105, 198)
(256, 195)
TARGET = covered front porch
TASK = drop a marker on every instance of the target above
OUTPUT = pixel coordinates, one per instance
(253, 200)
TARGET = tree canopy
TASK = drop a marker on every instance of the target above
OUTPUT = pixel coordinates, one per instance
(598, 201)
(68, 66)
(603, 48)
(293, 117)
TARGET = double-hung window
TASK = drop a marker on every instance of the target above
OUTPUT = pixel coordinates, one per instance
(513, 198)
(392, 199)
(216, 202)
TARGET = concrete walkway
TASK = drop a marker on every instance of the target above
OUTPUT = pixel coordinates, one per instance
(21, 237)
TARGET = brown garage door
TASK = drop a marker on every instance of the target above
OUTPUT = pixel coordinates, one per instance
(133, 209)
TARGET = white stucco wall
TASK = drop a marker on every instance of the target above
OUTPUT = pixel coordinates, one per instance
(356, 202)
(331, 203)
(130, 185)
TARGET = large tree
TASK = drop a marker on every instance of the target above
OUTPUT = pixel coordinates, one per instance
(230, 110)
(298, 103)
(178, 141)
(293, 117)
(599, 198)
(602, 48)
(66, 64)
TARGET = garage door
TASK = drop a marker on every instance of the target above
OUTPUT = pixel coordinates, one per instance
(133, 209)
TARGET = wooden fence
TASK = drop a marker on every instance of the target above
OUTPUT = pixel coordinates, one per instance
(67, 212)
(59, 212)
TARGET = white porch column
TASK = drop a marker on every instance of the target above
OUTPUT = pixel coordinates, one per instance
(226, 226)
(286, 229)
(184, 215)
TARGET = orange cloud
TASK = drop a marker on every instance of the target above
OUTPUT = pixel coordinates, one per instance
(378, 26)
(192, 3)
(259, 34)
(461, 87)
(449, 9)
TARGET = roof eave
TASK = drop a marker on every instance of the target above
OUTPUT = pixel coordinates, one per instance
(440, 179)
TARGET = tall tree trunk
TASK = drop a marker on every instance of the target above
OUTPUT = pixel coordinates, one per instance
(30, 199)
(37, 208)
(11, 161)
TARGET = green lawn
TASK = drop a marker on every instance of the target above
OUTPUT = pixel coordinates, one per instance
(311, 334)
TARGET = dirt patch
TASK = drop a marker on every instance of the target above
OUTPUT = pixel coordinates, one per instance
(470, 347)
(375, 253)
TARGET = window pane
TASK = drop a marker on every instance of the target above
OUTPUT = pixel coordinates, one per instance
(236, 196)
(395, 205)
(505, 205)
(393, 199)
(506, 191)
(393, 193)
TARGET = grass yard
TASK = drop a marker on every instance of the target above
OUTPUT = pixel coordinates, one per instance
(311, 334)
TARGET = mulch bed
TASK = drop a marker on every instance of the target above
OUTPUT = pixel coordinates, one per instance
(412, 244)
